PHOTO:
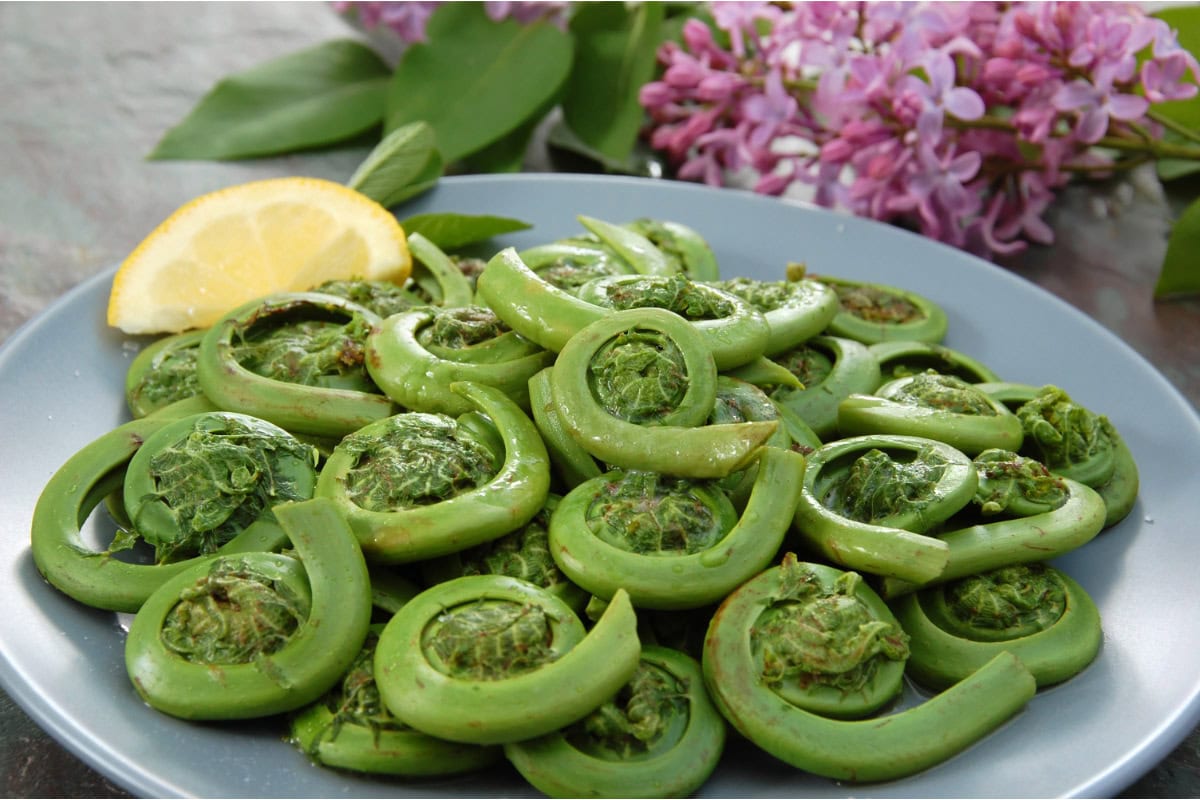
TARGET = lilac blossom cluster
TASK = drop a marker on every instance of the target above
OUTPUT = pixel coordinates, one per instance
(408, 19)
(960, 120)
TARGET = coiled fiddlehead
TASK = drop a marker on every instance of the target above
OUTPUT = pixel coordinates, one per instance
(829, 369)
(572, 464)
(532, 306)
(437, 278)
(1012, 484)
(634, 390)
(163, 372)
(737, 402)
(1057, 528)
(99, 578)
(487, 659)
(567, 264)
(795, 310)
(680, 243)
(1034, 611)
(673, 543)
(550, 316)
(195, 649)
(415, 356)
(869, 501)
(735, 332)
(296, 360)
(381, 298)
(350, 728)
(199, 481)
(872, 312)
(934, 406)
(523, 554)
(1078, 443)
(899, 359)
(638, 251)
(413, 487)
(659, 736)
(784, 610)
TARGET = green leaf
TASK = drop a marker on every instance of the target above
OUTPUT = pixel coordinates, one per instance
(615, 51)
(1170, 169)
(425, 180)
(395, 164)
(506, 154)
(641, 160)
(311, 98)
(1181, 265)
(451, 231)
(475, 80)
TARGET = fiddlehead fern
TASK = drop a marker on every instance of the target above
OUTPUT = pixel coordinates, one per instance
(532, 306)
(659, 736)
(734, 331)
(872, 312)
(765, 374)
(1016, 485)
(634, 389)
(829, 369)
(195, 648)
(795, 310)
(163, 372)
(487, 659)
(567, 264)
(870, 501)
(975, 547)
(381, 298)
(296, 360)
(1034, 611)
(934, 406)
(673, 543)
(99, 578)
(550, 316)
(681, 244)
(523, 554)
(571, 462)
(637, 250)
(737, 402)
(415, 356)
(199, 481)
(899, 358)
(350, 728)
(437, 278)
(413, 487)
(1080, 444)
(773, 626)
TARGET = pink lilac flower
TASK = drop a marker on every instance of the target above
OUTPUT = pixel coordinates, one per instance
(959, 119)
(768, 112)
(1095, 104)
(940, 95)
(408, 20)
(943, 201)
(528, 11)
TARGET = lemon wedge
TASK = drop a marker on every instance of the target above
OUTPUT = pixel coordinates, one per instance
(236, 244)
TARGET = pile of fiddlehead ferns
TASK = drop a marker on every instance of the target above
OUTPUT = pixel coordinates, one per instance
(583, 509)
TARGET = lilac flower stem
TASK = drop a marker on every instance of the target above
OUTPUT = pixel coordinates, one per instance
(1173, 126)
(1144, 143)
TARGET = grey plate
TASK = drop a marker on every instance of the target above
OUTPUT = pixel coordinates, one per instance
(61, 381)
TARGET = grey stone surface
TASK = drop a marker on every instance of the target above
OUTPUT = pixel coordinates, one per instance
(87, 89)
